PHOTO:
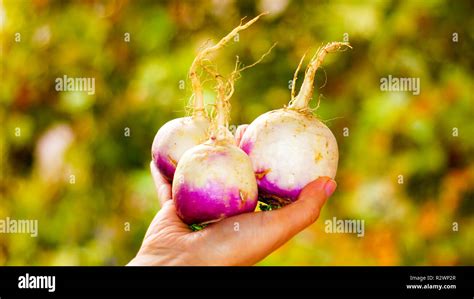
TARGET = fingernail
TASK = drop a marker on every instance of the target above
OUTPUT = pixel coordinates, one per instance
(330, 187)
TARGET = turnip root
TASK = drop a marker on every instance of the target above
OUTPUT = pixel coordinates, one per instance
(290, 147)
(215, 180)
(178, 135)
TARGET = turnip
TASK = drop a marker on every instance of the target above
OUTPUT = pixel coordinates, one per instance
(215, 180)
(178, 135)
(174, 138)
(290, 147)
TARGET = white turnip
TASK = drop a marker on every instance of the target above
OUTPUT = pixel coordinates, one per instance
(178, 135)
(290, 147)
(215, 180)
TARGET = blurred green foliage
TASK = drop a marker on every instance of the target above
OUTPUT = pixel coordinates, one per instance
(68, 161)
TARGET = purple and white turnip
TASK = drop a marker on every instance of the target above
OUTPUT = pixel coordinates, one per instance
(178, 135)
(215, 180)
(291, 147)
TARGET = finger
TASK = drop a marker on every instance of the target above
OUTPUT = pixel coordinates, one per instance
(239, 133)
(259, 234)
(163, 188)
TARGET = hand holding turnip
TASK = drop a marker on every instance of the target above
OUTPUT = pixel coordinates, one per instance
(214, 182)
(169, 241)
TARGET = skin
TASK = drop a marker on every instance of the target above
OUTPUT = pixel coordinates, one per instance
(169, 241)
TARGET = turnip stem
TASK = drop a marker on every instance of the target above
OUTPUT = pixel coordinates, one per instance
(225, 89)
(295, 77)
(303, 98)
(198, 104)
(222, 103)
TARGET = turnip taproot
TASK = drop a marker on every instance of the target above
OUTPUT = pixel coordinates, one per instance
(290, 147)
(215, 180)
(178, 135)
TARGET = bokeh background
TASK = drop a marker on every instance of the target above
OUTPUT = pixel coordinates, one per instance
(406, 166)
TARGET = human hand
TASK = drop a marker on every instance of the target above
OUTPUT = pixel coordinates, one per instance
(169, 241)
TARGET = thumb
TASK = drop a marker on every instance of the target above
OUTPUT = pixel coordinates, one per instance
(290, 220)
(307, 208)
